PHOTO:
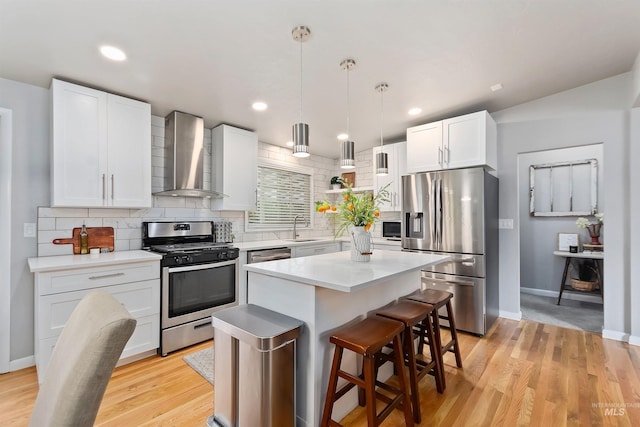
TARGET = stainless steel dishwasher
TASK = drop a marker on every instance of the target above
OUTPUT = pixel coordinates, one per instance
(270, 254)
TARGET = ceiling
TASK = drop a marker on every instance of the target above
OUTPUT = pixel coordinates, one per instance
(215, 58)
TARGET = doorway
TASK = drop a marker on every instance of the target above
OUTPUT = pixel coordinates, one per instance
(542, 230)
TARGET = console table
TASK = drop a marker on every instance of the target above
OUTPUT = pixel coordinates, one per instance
(597, 257)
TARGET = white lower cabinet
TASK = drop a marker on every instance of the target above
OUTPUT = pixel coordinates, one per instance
(315, 249)
(135, 285)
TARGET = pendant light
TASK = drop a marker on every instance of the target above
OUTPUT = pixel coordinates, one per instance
(382, 161)
(301, 130)
(347, 157)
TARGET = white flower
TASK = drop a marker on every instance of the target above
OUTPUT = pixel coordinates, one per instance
(600, 217)
(582, 222)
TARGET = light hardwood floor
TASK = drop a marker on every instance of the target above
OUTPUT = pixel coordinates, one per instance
(521, 373)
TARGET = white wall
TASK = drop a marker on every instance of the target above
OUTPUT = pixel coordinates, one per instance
(598, 112)
(634, 231)
(30, 189)
(539, 234)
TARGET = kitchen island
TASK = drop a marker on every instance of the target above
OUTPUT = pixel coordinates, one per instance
(326, 292)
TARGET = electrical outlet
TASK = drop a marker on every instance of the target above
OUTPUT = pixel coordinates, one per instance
(29, 229)
(505, 223)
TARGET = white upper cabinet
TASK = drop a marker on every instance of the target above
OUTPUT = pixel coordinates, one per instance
(458, 142)
(234, 168)
(397, 156)
(101, 149)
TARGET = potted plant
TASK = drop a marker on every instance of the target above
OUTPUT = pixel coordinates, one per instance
(587, 276)
(336, 182)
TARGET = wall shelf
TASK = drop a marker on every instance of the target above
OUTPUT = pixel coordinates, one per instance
(354, 189)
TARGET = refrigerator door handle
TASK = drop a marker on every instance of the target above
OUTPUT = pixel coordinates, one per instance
(440, 216)
(434, 204)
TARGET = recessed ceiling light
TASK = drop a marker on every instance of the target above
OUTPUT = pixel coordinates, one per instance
(289, 143)
(113, 53)
(259, 106)
(415, 111)
(496, 87)
(343, 136)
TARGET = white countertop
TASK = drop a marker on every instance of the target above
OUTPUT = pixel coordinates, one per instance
(336, 270)
(63, 262)
(281, 243)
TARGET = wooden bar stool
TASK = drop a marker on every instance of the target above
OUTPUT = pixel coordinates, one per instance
(439, 299)
(411, 314)
(367, 338)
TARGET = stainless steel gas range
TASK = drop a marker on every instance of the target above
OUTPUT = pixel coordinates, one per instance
(198, 277)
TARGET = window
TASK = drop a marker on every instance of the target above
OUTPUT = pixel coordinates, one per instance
(564, 188)
(284, 191)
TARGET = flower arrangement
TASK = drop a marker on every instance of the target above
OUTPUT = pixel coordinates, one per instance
(583, 222)
(356, 210)
(593, 229)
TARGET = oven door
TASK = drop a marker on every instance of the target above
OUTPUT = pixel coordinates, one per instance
(194, 292)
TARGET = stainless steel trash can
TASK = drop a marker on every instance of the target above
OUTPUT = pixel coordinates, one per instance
(254, 367)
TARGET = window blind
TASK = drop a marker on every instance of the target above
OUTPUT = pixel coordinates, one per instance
(282, 194)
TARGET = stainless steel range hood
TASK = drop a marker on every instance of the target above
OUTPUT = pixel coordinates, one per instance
(184, 157)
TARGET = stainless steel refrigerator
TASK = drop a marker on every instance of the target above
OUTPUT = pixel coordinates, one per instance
(455, 212)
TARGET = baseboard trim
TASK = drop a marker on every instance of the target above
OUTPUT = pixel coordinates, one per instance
(25, 362)
(510, 315)
(615, 335)
(565, 295)
(634, 340)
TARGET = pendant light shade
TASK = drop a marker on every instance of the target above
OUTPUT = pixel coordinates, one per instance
(382, 159)
(347, 158)
(382, 164)
(301, 130)
(347, 152)
(301, 140)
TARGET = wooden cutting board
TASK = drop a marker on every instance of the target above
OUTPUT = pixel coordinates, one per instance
(98, 237)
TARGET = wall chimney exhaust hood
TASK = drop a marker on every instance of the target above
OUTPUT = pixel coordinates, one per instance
(184, 157)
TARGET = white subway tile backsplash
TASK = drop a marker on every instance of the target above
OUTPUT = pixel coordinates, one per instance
(108, 212)
(68, 212)
(49, 249)
(47, 236)
(169, 202)
(64, 223)
(147, 213)
(128, 233)
(46, 223)
(179, 214)
(134, 223)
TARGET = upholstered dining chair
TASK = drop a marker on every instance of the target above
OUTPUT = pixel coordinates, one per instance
(82, 362)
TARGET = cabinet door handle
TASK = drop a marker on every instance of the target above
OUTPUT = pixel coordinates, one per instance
(105, 276)
(440, 156)
(104, 187)
(112, 187)
(448, 154)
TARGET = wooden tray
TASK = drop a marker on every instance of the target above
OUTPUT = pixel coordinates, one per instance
(98, 237)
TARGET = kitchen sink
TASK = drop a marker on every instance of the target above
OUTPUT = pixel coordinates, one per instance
(300, 240)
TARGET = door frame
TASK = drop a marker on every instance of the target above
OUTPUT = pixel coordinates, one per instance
(5, 244)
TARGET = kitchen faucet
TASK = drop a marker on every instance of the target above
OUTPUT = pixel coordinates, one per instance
(295, 221)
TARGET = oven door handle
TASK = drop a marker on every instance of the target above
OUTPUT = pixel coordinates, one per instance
(202, 266)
